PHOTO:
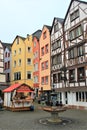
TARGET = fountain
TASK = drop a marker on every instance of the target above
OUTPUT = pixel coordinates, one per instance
(54, 109)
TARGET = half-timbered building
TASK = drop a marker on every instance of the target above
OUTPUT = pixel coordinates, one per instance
(57, 48)
(71, 80)
(75, 28)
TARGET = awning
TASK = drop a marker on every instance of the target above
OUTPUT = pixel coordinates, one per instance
(19, 88)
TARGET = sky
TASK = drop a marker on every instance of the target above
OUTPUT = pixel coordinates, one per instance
(22, 17)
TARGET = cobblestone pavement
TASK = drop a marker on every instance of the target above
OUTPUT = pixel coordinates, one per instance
(29, 120)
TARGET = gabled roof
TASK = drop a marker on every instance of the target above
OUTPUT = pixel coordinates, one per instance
(61, 20)
(11, 88)
(16, 86)
(23, 38)
(70, 6)
(7, 45)
(49, 27)
(37, 34)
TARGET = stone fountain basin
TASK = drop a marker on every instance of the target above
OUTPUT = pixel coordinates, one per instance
(54, 109)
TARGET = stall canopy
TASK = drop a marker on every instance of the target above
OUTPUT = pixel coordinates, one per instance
(19, 88)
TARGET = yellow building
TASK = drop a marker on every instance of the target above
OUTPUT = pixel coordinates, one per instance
(22, 60)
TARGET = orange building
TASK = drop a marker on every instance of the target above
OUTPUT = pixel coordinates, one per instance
(45, 59)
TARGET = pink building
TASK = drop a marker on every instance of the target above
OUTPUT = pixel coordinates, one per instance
(36, 52)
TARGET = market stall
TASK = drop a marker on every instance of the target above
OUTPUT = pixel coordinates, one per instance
(18, 97)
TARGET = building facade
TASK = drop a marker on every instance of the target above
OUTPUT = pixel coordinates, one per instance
(72, 87)
(57, 50)
(45, 59)
(7, 61)
(22, 60)
(36, 60)
(2, 74)
(18, 60)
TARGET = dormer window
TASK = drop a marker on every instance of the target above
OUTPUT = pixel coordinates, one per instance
(17, 40)
(74, 15)
(44, 35)
(56, 27)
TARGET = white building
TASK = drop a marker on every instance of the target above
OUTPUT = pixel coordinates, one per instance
(2, 74)
(72, 87)
(7, 61)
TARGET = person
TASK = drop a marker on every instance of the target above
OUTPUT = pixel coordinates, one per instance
(1, 103)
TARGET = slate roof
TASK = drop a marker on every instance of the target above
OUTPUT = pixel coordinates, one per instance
(84, 2)
(37, 34)
(8, 45)
(49, 27)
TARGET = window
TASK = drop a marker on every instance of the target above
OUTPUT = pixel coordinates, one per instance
(8, 77)
(56, 27)
(46, 64)
(6, 54)
(34, 43)
(46, 79)
(76, 32)
(36, 54)
(19, 62)
(72, 75)
(36, 79)
(17, 76)
(81, 96)
(59, 77)
(36, 67)
(14, 63)
(19, 51)
(42, 51)
(81, 73)
(28, 74)
(28, 61)
(80, 51)
(44, 35)
(46, 48)
(54, 78)
(71, 54)
(59, 43)
(59, 59)
(74, 15)
(9, 54)
(54, 60)
(56, 44)
(42, 80)
(17, 40)
(5, 65)
(8, 64)
(42, 66)
(29, 49)
(14, 52)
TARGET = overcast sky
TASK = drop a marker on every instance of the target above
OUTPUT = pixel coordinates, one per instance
(22, 17)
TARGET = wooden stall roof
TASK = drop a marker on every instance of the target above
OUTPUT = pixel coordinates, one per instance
(19, 88)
